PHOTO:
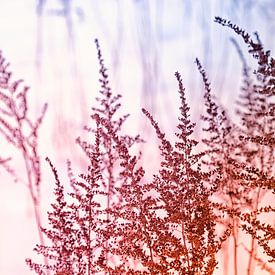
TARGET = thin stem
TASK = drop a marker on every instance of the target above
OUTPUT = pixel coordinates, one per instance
(253, 242)
(251, 259)
(225, 258)
(257, 201)
(109, 193)
(36, 205)
(235, 233)
(235, 240)
(185, 245)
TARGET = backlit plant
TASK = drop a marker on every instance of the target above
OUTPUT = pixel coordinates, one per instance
(116, 221)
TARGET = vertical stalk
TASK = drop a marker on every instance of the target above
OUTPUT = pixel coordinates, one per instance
(225, 258)
(257, 201)
(250, 261)
(36, 205)
(185, 245)
(89, 239)
(235, 248)
(253, 243)
(235, 233)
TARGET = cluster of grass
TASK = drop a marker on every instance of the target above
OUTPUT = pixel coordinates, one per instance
(114, 221)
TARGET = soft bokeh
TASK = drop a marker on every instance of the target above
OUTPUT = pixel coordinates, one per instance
(49, 44)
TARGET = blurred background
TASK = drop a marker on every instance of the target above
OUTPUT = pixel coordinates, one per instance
(50, 44)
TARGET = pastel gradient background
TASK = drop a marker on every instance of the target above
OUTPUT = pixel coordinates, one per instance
(49, 44)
